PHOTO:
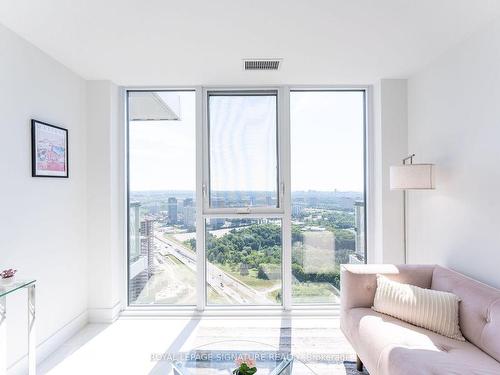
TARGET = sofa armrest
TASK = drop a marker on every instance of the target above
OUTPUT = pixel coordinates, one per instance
(358, 282)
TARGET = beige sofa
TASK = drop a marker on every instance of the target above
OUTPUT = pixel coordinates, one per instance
(388, 346)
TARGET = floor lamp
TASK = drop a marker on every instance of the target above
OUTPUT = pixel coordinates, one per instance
(409, 176)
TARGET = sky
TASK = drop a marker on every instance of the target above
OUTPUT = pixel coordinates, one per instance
(243, 143)
(326, 144)
(326, 131)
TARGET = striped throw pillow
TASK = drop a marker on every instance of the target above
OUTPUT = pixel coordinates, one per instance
(430, 309)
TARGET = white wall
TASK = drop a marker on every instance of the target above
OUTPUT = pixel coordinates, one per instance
(42, 220)
(105, 165)
(390, 139)
(454, 121)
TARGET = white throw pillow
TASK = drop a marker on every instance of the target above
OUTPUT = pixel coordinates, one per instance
(430, 309)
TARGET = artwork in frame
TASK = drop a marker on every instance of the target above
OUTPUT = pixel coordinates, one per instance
(49, 150)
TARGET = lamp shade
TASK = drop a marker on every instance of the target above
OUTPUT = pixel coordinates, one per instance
(412, 176)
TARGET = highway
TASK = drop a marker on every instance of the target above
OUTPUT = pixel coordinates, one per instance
(227, 286)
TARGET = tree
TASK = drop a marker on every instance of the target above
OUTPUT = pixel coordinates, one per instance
(244, 269)
(261, 274)
(297, 235)
(254, 245)
(344, 239)
(191, 243)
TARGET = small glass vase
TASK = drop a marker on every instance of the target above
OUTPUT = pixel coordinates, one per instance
(7, 281)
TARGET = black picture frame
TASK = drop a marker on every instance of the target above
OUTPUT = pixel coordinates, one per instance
(54, 132)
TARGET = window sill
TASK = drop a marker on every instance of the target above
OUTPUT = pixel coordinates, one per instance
(327, 311)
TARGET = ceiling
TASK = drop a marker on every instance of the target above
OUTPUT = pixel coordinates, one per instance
(186, 42)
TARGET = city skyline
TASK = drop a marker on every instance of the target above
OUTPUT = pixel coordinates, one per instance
(243, 256)
(247, 191)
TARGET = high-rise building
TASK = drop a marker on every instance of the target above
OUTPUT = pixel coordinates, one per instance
(188, 213)
(359, 222)
(298, 206)
(172, 210)
(147, 243)
(134, 231)
(138, 266)
(139, 277)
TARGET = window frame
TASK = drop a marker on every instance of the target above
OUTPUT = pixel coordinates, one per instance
(207, 210)
(367, 167)
(126, 141)
(282, 212)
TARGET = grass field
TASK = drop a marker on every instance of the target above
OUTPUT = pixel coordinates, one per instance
(314, 293)
(251, 279)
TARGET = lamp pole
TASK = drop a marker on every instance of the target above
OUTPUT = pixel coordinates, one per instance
(407, 160)
(409, 176)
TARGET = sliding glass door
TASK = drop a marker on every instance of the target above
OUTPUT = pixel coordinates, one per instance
(234, 202)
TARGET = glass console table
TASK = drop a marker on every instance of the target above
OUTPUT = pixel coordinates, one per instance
(5, 290)
(219, 359)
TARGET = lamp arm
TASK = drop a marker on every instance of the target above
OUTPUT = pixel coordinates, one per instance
(410, 158)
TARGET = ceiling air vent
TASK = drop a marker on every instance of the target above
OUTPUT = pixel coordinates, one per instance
(261, 64)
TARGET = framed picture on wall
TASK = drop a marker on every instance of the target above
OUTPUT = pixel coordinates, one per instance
(49, 150)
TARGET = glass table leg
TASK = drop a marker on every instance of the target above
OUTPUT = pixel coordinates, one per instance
(31, 331)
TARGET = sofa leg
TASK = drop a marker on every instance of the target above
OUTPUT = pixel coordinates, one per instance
(359, 364)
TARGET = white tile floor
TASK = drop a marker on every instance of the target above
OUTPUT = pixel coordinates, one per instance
(126, 346)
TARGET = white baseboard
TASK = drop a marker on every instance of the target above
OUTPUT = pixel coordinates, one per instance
(105, 315)
(329, 311)
(50, 344)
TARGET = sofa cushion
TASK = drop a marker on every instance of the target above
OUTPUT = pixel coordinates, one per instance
(359, 281)
(434, 310)
(390, 346)
(479, 308)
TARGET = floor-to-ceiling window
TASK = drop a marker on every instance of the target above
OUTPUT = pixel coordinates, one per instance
(243, 252)
(162, 207)
(233, 202)
(327, 184)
